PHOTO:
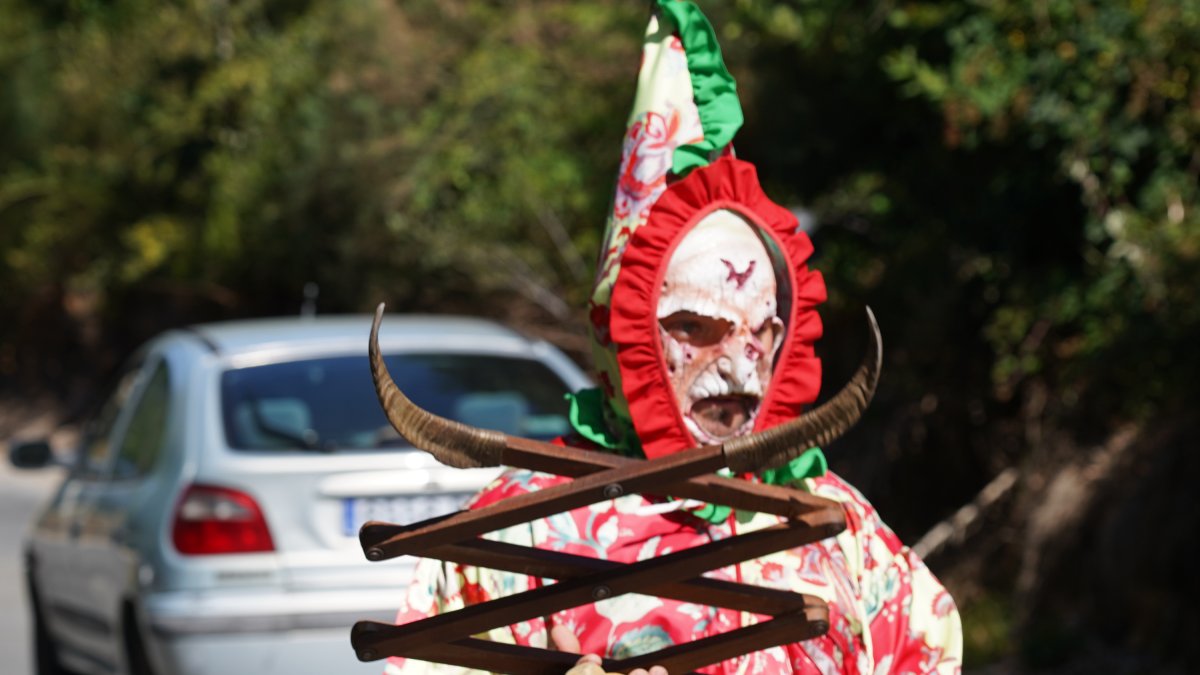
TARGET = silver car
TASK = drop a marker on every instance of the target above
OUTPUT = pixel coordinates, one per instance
(209, 524)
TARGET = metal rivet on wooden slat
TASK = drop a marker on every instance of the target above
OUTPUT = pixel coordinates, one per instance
(601, 592)
(613, 491)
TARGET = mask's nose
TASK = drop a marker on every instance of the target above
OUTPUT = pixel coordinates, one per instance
(739, 364)
(745, 343)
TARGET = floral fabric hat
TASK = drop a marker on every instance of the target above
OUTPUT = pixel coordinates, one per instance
(677, 166)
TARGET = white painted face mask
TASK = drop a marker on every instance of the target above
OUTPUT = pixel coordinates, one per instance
(719, 326)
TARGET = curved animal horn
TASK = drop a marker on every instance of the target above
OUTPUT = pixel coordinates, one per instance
(452, 443)
(817, 427)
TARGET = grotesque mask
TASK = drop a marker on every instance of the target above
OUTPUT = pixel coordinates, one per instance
(719, 326)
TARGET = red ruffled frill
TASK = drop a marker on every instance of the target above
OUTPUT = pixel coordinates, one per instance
(731, 184)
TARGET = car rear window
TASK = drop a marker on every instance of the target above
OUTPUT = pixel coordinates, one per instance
(329, 404)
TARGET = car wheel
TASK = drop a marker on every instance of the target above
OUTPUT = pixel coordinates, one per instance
(135, 647)
(45, 651)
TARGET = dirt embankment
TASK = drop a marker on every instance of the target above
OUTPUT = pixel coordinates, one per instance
(1087, 564)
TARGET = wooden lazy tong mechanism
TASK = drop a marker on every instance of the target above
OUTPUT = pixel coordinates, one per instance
(598, 476)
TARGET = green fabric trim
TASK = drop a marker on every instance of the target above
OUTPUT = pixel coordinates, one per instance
(587, 415)
(587, 418)
(589, 421)
(713, 88)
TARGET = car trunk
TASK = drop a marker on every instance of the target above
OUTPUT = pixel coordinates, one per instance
(307, 440)
(314, 504)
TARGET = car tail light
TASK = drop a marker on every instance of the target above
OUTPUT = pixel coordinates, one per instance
(211, 520)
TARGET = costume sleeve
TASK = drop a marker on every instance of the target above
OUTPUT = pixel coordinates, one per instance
(914, 624)
(934, 641)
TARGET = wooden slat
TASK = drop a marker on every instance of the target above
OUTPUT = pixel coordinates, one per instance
(494, 657)
(781, 630)
(732, 492)
(381, 541)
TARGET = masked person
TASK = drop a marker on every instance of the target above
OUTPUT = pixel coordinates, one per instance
(703, 322)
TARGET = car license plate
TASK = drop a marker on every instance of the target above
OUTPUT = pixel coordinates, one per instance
(401, 510)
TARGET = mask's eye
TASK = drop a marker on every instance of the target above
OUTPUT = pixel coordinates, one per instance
(765, 333)
(696, 329)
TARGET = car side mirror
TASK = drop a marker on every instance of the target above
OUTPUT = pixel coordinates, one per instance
(30, 454)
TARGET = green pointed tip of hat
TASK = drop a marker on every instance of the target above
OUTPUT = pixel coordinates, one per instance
(713, 88)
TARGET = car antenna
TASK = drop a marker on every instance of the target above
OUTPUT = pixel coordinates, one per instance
(309, 307)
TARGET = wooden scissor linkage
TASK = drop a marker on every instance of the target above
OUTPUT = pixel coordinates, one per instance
(446, 638)
(597, 476)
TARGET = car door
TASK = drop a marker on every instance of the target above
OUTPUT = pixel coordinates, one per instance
(113, 523)
(119, 525)
(61, 547)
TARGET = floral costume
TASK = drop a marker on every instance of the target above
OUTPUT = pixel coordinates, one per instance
(888, 614)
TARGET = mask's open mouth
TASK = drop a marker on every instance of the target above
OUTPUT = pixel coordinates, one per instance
(724, 416)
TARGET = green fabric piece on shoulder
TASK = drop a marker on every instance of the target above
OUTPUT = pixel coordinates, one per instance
(810, 464)
(713, 88)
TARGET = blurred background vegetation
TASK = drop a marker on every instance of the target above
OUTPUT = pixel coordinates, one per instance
(1013, 185)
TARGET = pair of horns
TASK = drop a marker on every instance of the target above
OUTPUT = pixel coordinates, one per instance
(459, 445)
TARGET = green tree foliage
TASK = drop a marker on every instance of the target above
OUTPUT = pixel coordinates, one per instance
(1112, 87)
(1014, 186)
(218, 155)
(1042, 154)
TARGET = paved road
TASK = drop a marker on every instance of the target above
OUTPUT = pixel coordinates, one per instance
(21, 494)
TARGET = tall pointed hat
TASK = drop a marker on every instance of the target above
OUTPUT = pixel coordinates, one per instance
(677, 166)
